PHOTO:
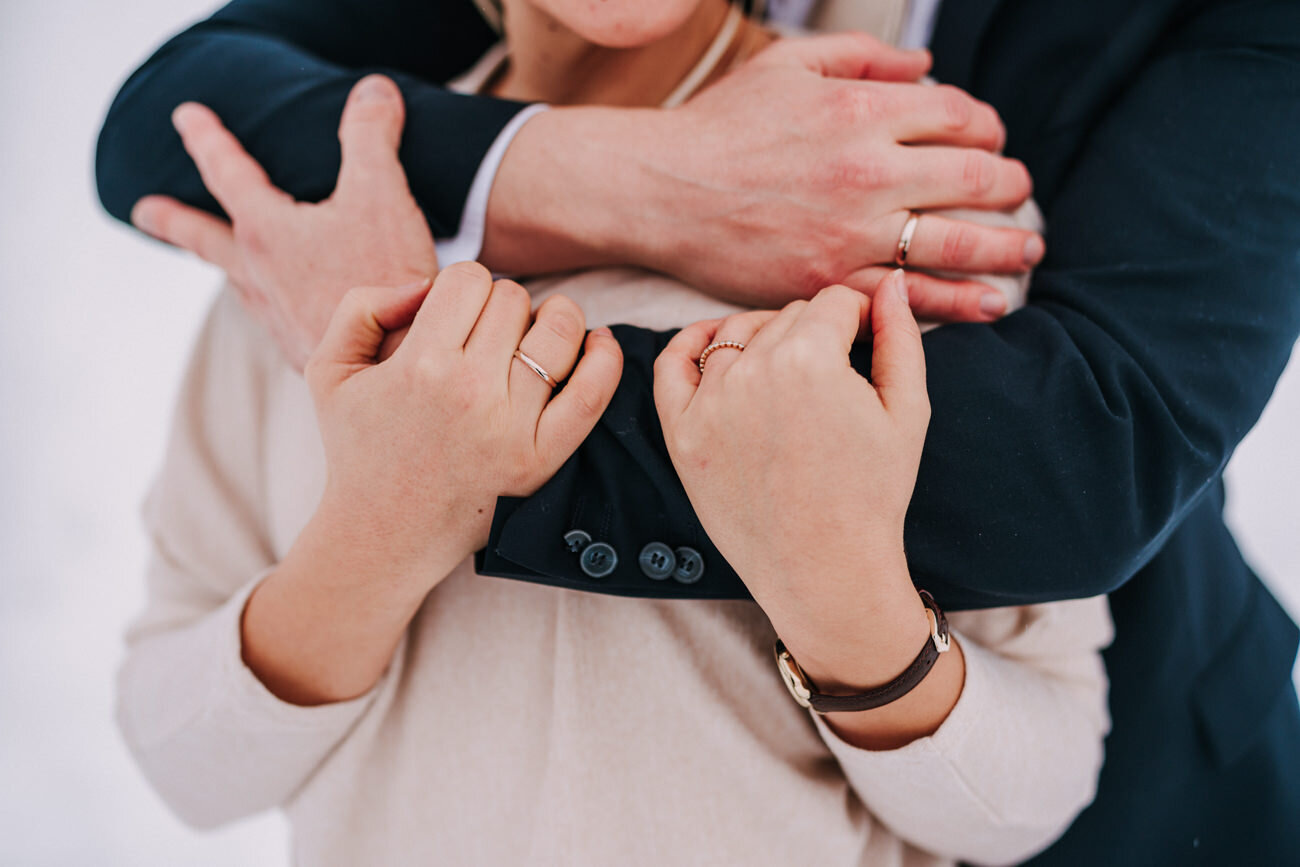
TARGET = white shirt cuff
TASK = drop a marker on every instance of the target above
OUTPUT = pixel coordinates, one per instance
(466, 245)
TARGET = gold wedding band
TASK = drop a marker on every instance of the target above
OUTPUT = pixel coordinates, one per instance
(535, 367)
(905, 239)
(721, 344)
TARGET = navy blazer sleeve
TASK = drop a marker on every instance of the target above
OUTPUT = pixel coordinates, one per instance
(1069, 439)
(278, 72)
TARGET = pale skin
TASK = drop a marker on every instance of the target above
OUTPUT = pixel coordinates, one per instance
(418, 447)
(786, 434)
(323, 627)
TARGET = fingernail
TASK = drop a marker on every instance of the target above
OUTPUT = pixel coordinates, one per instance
(900, 283)
(178, 118)
(993, 304)
(1034, 250)
(603, 332)
(373, 89)
(417, 284)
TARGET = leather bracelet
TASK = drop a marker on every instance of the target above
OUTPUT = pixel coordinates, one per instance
(805, 693)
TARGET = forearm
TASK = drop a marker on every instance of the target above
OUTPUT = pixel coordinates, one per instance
(589, 186)
(278, 73)
(1017, 757)
(569, 193)
(210, 738)
(323, 626)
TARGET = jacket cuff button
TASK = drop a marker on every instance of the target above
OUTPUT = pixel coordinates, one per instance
(598, 559)
(576, 540)
(657, 561)
(690, 566)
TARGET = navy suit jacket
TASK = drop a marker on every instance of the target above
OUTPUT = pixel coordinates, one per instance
(1077, 445)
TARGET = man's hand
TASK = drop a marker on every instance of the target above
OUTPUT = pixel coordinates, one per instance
(292, 262)
(789, 174)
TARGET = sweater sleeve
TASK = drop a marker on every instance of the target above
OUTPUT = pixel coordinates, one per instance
(277, 72)
(209, 737)
(1019, 756)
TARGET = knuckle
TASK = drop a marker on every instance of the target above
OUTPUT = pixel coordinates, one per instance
(250, 236)
(1024, 182)
(781, 49)
(464, 273)
(958, 246)
(743, 323)
(524, 477)
(956, 107)
(565, 304)
(512, 293)
(856, 105)
(457, 390)
(586, 400)
(977, 173)
(1011, 247)
(838, 292)
(818, 274)
(353, 303)
(797, 353)
(563, 325)
(682, 441)
(865, 41)
(853, 172)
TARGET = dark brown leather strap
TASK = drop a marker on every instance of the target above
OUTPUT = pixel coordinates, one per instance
(899, 686)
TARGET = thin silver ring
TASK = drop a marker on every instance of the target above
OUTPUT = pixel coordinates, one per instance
(535, 367)
(721, 344)
(905, 239)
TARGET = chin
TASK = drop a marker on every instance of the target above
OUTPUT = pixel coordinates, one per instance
(621, 23)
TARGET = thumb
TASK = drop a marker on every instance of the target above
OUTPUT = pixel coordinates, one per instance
(848, 55)
(357, 330)
(370, 133)
(898, 356)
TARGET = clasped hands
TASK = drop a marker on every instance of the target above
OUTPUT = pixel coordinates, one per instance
(799, 468)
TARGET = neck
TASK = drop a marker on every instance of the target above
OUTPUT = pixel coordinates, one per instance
(550, 63)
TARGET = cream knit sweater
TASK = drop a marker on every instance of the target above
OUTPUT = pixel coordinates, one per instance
(522, 724)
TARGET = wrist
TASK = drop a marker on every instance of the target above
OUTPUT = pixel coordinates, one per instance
(575, 189)
(324, 625)
(854, 646)
(355, 547)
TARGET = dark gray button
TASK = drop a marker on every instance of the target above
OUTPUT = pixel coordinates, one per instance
(576, 540)
(657, 561)
(598, 559)
(690, 565)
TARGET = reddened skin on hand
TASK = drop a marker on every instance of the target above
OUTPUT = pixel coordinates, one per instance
(291, 262)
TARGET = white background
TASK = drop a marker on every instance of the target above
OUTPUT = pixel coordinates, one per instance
(94, 328)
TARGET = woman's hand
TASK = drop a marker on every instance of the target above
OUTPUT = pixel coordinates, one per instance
(801, 471)
(418, 448)
(290, 261)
